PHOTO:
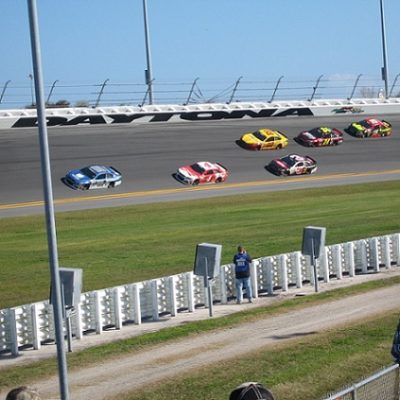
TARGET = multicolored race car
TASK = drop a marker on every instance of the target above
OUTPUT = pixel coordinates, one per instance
(93, 177)
(263, 139)
(370, 127)
(201, 172)
(321, 136)
(292, 164)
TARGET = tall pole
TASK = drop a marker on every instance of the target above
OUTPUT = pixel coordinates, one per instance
(384, 51)
(148, 72)
(48, 196)
(31, 80)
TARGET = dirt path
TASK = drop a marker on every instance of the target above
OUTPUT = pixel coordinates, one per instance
(133, 371)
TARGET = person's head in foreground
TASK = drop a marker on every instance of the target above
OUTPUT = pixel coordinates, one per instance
(251, 391)
(22, 393)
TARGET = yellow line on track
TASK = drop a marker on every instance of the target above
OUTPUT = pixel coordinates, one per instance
(223, 186)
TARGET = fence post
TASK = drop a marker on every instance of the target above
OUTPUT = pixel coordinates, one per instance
(51, 91)
(386, 252)
(154, 299)
(354, 87)
(136, 304)
(391, 90)
(276, 88)
(283, 269)
(191, 91)
(349, 257)
(374, 253)
(364, 256)
(99, 319)
(324, 265)
(337, 260)
(12, 320)
(78, 322)
(101, 93)
(224, 294)
(117, 307)
(315, 88)
(396, 248)
(270, 284)
(4, 90)
(299, 275)
(35, 326)
(253, 277)
(172, 295)
(190, 285)
(234, 89)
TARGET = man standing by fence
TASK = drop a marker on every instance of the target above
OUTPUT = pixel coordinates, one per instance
(242, 262)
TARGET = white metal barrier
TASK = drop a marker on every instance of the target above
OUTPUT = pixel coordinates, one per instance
(31, 325)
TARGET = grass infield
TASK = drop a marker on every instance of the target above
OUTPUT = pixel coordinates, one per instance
(116, 246)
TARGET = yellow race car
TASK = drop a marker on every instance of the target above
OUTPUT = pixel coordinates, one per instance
(263, 139)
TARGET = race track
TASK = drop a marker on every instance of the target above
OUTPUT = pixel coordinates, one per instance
(148, 155)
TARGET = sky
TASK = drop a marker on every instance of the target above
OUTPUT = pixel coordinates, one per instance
(86, 41)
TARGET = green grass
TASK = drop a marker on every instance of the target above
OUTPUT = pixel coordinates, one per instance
(311, 365)
(116, 246)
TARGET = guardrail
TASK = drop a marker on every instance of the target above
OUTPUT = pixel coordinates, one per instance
(29, 326)
(200, 112)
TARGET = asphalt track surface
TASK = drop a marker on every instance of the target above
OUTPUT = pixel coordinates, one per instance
(148, 155)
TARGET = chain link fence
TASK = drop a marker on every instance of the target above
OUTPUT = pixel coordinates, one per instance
(383, 385)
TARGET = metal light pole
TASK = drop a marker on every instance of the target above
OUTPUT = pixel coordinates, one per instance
(31, 78)
(48, 197)
(384, 51)
(148, 72)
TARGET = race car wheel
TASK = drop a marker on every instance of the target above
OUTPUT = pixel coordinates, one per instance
(196, 182)
(111, 185)
(279, 147)
(218, 180)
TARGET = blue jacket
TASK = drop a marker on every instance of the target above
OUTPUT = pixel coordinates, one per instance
(242, 265)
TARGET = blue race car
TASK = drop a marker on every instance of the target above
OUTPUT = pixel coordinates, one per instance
(93, 177)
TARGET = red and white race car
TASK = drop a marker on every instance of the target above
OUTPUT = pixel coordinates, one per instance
(201, 172)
